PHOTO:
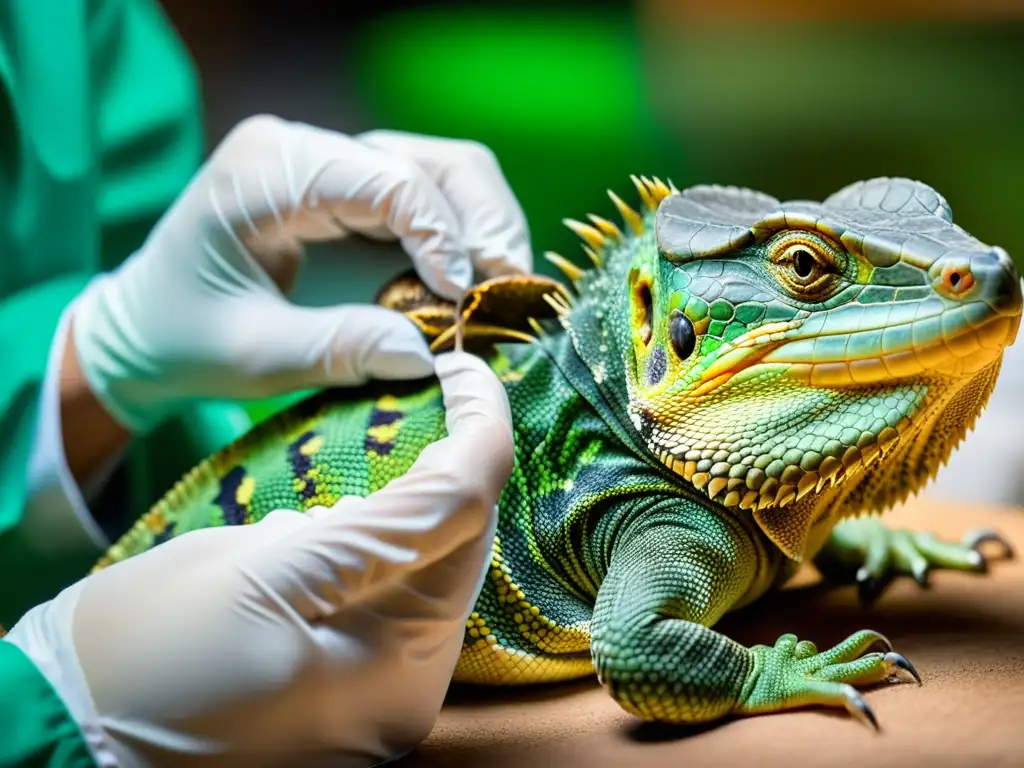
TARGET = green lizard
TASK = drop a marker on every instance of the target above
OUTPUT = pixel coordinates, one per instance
(733, 378)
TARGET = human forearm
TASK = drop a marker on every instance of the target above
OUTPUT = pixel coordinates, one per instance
(89, 433)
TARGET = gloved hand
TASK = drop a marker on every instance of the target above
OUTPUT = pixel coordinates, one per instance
(201, 310)
(302, 637)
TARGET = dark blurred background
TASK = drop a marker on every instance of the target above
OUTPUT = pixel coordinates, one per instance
(794, 97)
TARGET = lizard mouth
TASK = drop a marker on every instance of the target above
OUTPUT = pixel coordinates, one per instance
(889, 344)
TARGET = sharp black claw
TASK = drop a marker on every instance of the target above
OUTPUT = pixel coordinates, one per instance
(921, 576)
(977, 561)
(902, 663)
(869, 587)
(869, 715)
(857, 706)
(974, 540)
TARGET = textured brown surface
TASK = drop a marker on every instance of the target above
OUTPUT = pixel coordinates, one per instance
(965, 634)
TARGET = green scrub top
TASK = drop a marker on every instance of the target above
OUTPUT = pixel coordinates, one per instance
(100, 129)
(36, 727)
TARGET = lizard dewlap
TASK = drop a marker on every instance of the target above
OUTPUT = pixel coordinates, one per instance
(728, 392)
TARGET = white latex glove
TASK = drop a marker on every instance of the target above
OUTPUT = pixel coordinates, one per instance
(201, 310)
(300, 639)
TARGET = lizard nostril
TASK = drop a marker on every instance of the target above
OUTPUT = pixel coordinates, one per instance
(956, 281)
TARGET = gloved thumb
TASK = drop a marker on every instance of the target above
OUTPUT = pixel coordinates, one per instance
(473, 394)
(310, 347)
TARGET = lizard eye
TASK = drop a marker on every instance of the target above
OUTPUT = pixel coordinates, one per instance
(806, 268)
(682, 335)
(803, 263)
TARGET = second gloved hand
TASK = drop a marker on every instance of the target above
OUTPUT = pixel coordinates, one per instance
(201, 311)
(298, 639)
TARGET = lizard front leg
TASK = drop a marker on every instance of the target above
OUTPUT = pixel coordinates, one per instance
(865, 551)
(671, 576)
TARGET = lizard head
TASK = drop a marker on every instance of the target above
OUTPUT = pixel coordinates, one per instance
(805, 360)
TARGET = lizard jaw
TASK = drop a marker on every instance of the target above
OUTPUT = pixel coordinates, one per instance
(954, 342)
(947, 349)
(870, 477)
(877, 471)
(966, 348)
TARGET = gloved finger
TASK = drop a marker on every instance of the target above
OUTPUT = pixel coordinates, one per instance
(320, 510)
(282, 521)
(280, 182)
(494, 227)
(446, 500)
(311, 347)
(473, 394)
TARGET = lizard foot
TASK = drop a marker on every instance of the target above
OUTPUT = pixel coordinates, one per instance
(865, 551)
(793, 674)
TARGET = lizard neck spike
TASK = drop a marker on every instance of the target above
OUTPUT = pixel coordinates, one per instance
(644, 192)
(660, 189)
(633, 219)
(652, 191)
(593, 256)
(592, 236)
(570, 270)
(607, 227)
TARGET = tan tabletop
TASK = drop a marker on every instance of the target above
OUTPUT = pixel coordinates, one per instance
(965, 635)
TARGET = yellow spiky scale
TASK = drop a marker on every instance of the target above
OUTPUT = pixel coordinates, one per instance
(592, 255)
(592, 236)
(606, 226)
(716, 486)
(659, 189)
(644, 192)
(568, 269)
(633, 219)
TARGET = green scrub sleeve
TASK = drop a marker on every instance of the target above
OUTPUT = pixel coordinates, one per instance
(35, 727)
(100, 130)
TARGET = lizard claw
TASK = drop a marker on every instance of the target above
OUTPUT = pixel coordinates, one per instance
(858, 706)
(975, 538)
(791, 675)
(920, 569)
(884, 554)
(869, 586)
(901, 667)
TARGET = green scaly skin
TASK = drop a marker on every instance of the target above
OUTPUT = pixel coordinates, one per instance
(694, 427)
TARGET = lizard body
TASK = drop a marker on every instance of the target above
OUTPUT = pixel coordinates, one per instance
(734, 378)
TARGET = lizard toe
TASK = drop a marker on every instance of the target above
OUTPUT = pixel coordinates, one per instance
(790, 676)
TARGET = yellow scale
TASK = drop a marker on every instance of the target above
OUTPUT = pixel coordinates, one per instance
(484, 660)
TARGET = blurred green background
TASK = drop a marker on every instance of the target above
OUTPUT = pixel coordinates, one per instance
(559, 95)
(794, 98)
(573, 102)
